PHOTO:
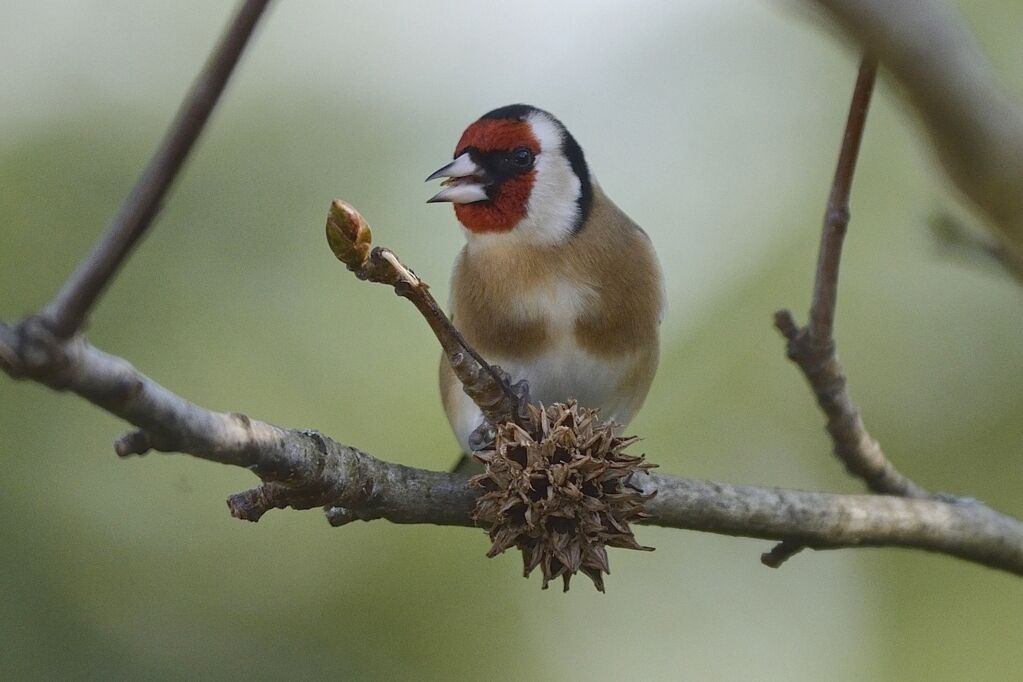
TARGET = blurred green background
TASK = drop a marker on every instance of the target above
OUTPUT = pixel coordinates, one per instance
(714, 124)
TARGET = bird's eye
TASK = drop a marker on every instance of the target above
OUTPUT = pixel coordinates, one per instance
(522, 157)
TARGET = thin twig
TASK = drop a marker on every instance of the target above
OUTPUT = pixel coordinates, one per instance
(836, 216)
(69, 309)
(813, 347)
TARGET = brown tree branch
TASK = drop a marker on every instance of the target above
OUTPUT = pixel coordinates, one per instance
(836, 215)
(304, 469)
(812, 347)
(974, 125)
(70, 307)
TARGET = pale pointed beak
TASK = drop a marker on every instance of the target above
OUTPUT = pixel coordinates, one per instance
(464, 184)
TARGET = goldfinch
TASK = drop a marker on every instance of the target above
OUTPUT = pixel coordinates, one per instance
(555, 283)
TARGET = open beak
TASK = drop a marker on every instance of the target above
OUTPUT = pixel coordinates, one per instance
(464, 184)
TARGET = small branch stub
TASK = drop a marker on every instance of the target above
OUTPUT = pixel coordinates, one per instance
(561, 494)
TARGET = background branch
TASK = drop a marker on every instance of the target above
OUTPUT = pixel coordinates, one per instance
(956, 237)
(974, 126)
(70, 307)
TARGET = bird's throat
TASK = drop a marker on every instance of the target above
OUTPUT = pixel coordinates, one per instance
(503, 211)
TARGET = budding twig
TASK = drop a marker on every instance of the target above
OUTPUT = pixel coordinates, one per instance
(490, 387)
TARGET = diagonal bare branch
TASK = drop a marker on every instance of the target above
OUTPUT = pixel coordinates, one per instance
(69, 309)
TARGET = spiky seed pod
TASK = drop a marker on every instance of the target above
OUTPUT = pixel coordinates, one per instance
(562, 493)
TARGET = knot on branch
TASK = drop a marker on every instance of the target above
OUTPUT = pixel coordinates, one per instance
(250, 505)
(561, 493)
(342, 516)
(30, 350)
(837, 218)
(311, 471)
(813, 354)
(136, 442)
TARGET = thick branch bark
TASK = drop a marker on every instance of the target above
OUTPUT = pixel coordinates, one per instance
(965, 529)
(975, 127)
(304, 469)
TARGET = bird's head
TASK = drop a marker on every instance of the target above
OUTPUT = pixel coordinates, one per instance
(518, 171)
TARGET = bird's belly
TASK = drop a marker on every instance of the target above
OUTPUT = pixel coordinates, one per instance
(563, 373)
(571, 372)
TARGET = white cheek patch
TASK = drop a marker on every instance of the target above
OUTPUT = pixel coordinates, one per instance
(553, 208)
